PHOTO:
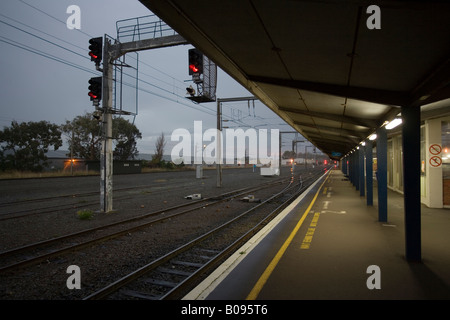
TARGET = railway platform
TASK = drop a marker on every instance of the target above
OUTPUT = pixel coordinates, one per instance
(329, 244)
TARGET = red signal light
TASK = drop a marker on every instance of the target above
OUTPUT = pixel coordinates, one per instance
(93, 96)
(193, 68)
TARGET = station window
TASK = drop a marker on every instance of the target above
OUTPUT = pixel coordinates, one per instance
(390, 164)
(395, 163)
(446, 161)
(423, 164)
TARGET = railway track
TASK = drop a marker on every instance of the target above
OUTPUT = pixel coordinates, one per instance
(80, 200)
(110, 248)
(43, 250)
(169, 276)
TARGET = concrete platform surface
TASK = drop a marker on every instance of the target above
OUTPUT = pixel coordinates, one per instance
(330, 245)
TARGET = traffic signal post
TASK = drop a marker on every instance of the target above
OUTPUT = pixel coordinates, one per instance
(106, 155)
(102, 50)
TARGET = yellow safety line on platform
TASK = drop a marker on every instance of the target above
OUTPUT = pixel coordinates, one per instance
(266, 274)
(310, 233)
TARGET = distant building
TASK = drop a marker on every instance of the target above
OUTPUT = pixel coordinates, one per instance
(59, 161)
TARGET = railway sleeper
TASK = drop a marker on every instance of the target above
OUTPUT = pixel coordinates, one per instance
(187, 263)
(162, 283)
(139, 295)
(214, 252)
(196, 256)
(174, 272)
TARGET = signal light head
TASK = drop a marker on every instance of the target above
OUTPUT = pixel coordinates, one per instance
(95, 88)
(195, 61)
(96, 47)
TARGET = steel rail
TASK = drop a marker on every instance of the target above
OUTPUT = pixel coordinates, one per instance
(216, 199)
(116, 285)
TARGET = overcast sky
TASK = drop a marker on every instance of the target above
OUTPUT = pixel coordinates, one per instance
(36, 86)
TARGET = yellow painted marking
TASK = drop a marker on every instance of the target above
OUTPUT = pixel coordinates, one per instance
(266, 274)
(325, 190)
(315, 219)
(309, 234)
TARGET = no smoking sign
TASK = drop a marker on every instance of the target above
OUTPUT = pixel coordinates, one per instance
(435, 151)
(435, 161)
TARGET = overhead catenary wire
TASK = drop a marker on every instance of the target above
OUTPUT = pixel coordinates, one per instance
(54, 58)
(53, 17)
(173, 95)
(45, 55)
(91, 36)
(77, 66)
(141, 62)
(74, 65)
(46, 33)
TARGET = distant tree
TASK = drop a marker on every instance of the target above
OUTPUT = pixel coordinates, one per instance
(125, 135)
(23, 146)
(159, 152)
(85, 136)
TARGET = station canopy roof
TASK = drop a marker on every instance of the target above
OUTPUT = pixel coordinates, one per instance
(319, 65)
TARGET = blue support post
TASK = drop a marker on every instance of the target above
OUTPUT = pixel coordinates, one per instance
(353, 169)
(361, 171)
(350, 167)
(356, 157)
(382, 173)
(369, 172)
(411, 178)
(344, 165)
(347, 165)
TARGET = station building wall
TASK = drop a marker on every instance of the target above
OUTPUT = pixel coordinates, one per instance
(435, 162)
